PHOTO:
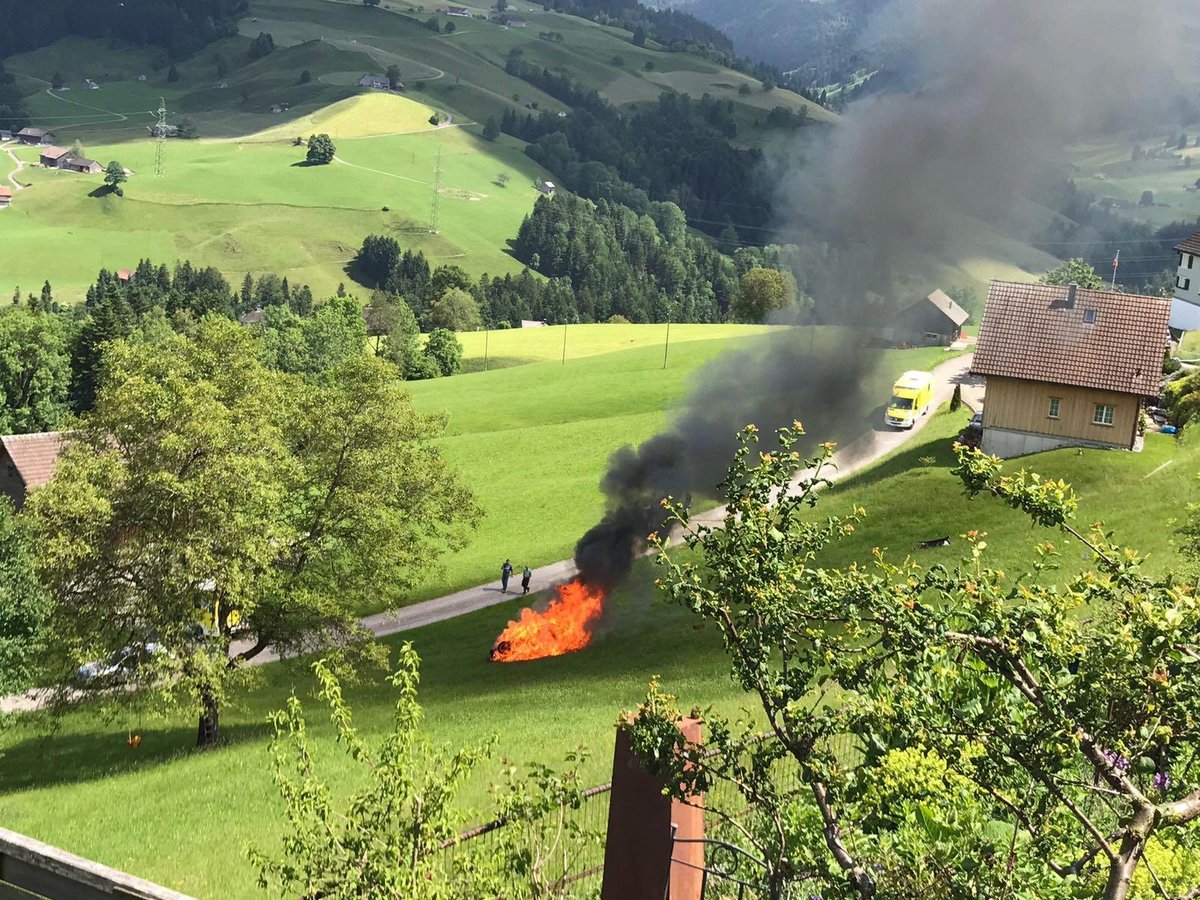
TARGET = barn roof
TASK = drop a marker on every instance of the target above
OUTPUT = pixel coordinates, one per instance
(33, 455)
(55, 152)
(1068, 335)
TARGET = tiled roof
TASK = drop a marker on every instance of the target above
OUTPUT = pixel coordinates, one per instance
(1029, 331)
(55, 152)
(5, 191)
(953, 311)
(34, 455)
(1191, 245)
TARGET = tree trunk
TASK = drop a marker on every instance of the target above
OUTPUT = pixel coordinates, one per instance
(1133, 842)
(208, 733)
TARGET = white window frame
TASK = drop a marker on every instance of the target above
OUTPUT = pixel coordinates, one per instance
(1055, 407)
(1099, 417)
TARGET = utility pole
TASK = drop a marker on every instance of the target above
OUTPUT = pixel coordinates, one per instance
(564, 356)
(667, 344)
(486, 334)
(160, 140)
(437, 195)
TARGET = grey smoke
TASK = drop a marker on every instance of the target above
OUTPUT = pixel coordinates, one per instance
(890, 194)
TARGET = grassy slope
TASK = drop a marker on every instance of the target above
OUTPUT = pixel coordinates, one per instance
(1105, 169)
(183, 818)
(532, 440)
(246, 206)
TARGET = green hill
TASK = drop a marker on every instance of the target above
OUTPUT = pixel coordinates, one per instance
(233, 198)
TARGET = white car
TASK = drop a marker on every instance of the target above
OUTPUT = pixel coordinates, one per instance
(118, 667)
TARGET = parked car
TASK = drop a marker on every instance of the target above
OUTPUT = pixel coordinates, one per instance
(119, 667)
(972, 435)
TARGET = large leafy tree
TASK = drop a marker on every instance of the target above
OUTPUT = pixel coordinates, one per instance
(455, 310)
(1075, 271)
(207, 489)
(23, 604)
(762, 292)
(957, 732)
(320, 150)
(35, 370)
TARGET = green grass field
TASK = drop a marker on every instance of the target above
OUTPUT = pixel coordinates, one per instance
(532, 440)
(1105, 168)
(184, 818)
(246, 206)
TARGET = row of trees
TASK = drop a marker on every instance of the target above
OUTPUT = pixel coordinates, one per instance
(52, 359)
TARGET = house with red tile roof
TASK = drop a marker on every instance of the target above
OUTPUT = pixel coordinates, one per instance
(26, 462)
(1067, 366)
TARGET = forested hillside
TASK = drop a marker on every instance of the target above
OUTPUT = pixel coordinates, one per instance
(180, 27)
(816, 40)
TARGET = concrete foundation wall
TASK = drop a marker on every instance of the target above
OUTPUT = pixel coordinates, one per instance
(1005, 443)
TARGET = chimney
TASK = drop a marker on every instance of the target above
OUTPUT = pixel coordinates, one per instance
(1071, 289)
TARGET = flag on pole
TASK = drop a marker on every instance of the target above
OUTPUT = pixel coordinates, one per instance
(1117, 260)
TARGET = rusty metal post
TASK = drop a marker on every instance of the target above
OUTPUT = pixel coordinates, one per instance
(642, 826)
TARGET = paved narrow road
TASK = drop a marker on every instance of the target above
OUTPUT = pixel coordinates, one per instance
(854, 456)
(12, 176)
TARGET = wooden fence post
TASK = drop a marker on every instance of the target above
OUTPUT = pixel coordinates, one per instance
(638, 863)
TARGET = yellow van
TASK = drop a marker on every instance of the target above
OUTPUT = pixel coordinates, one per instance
(912, 395)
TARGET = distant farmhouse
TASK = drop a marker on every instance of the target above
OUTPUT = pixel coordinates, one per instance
(547, 188)
(379, 82)
(26, 462)
(35, 136)
(935, 321)
(514, 22)
(90, 85)
(1067, 366)
(68, 161)
(5, 196)
(5, 135)
(54, 157)
(460, 11)
(82, 165)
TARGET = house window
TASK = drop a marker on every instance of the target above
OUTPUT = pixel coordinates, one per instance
(1183, 283)
(1191, 259)
(1055, 402)
(1089, 316)
(1103, 414)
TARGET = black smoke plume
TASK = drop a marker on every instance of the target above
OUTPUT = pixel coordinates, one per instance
(909, 182)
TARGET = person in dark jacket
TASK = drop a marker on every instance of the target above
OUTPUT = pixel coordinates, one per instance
(506, 571)
(526, 576)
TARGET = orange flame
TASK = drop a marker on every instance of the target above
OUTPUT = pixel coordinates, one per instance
(562, 627)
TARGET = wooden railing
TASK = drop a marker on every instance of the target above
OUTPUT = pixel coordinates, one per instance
(31, 870)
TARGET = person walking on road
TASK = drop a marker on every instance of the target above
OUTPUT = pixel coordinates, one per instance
(506, 571)
(526, 575)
